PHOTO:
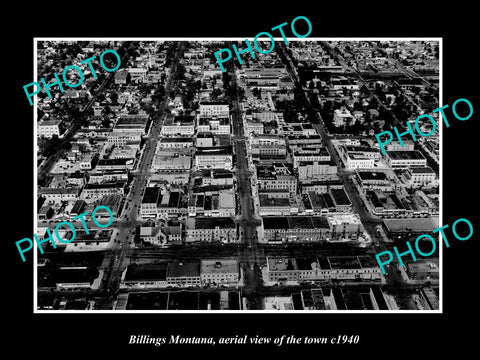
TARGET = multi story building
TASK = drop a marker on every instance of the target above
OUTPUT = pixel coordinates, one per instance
(346, 268)
(420, 176)
(48, 128)
(208, 229)
(214, 125)
(131, 124)
(115, 164)
(217, 157)
(277, 176)
(408, 145)
(278, 229)
(92, 192)
(183, 274)
(404, 159)
(150, 200)
(176, 142)
(309, 153)
(342, 117)
(179, 125)
(266, 140)
(123, 138)
(316, 169)
(214, 108)
(219, 271)
(358, 160)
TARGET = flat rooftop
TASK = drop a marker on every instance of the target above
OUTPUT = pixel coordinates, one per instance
(405, 155)
(340, 197)
(146, 272)
(151, 195)
(422, 170)
(183, 268)
(295, 222)
(214, 222)
(176, 140)
(219, 266)
(423, 225)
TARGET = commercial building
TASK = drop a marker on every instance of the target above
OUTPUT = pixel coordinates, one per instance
(178, 126)
(218, 203)
(214, 125)
(219, 271)
(408, 145)
(208, 229)
(423, 269)
(404, 159)
(115, 164)
(342, 117)
(277, 176)
(131, 124)
(373, 180)
(266, 140)
(124, 138)
(309, 170)
(214, 108)
(278, 229)
(93, 192)
(176, 142)
(345, 226)
(183, 273)
(254, 127)
(150, 200)
(341, 200)
(344, 268)
(48, 128)
(172, 162)
(277, 206)
(420, 176)
(309, 153)
(217, 157)
(58, 195)
(359, 160)
(408, 228)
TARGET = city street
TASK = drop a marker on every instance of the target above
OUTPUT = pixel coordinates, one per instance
(121, 248)
(248, 255)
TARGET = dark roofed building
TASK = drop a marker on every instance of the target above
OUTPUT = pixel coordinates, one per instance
(146, 275)
(183, 273)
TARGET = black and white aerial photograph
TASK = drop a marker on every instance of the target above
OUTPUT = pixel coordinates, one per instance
(261, 187)
(217, 179)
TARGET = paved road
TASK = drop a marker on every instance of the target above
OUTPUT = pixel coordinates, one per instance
(369, 222)
(121, 249)
(248, 254)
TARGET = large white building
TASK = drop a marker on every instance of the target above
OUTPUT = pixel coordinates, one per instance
(214, 158)
(123, 138)
(179, 125)
(420, 176)
(315, 169)
(347, 268)
(342, 117)
(214, 108)
(48, 128)
(358, 160)
(210, 229)
(405, 159)
(215, 125)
